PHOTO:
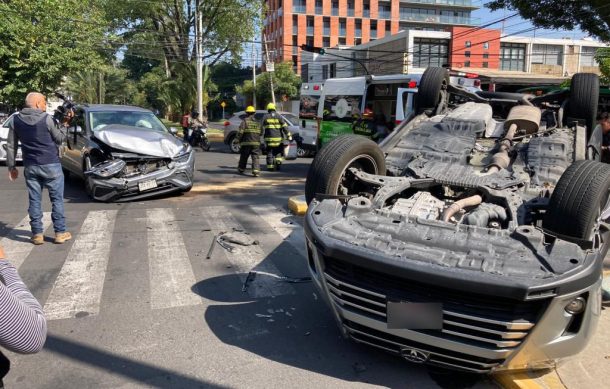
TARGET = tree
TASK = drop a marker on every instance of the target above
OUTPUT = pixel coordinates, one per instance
(105, 85)
(286, 84)
(602, 56)
(591, 16)
(43, 41)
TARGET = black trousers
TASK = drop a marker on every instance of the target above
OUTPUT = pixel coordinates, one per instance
(273, 153)
(246, 152)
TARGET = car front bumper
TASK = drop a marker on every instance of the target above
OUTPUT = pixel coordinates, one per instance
(177, 177)
(481, 333)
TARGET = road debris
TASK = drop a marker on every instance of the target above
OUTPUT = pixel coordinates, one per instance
(212, 247)
(252, 275)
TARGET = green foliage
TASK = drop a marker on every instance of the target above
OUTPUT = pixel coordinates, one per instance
(42, 41)
(106, 85)
(602, 56)
(286, 84)
(592, 16)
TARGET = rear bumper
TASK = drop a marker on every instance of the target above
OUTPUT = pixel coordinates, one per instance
(178, 177)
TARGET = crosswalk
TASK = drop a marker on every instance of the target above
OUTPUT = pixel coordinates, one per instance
(78, 288)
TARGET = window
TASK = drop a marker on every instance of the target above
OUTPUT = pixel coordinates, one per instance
(430, 52)
(418, 14)
(310, 25)
(547, 54)
(295, 45)
(342, 27)
(357, 41)
(485, 45)
(373, 28)
(333, 70)
(309, 41)
(295, 24)
(485, 55)
(319, 7)
(587, 56)
(468, 43)
(326, 26)
(298, 6)
(388, 27)
(350, 7)
(305, 72)
(467, 54)
(324, 77)
(326, 42)
(335, 8)
(358, 28)
(385, 11)
(366, 9)
(467, 64)
(512, 56)
(485, 64)
(342, 41)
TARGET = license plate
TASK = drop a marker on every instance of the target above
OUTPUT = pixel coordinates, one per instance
(414, 316)
(147, 185)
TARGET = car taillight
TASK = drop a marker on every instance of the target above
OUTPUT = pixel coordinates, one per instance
(477, 83)
(397, 121)
(412, 84)
(227, 123)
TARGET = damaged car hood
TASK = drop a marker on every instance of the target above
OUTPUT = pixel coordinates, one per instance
(140, 140)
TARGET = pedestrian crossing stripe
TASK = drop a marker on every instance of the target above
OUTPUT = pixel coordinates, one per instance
(77, 290)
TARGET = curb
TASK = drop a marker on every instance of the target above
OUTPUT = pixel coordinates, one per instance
(548, 379)
(297, 205)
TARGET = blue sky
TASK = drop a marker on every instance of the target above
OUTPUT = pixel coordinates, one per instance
(517, 24)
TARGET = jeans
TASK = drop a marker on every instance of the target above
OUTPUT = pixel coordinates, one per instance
(38, 177)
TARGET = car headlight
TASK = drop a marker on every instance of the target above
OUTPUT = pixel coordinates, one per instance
(107, 169)
(183, 157)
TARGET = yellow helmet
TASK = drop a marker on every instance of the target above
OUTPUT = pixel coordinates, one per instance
(270, 107)
(250, 109)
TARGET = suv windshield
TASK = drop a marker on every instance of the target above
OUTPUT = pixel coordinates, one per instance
(292, 119)
(144, 120)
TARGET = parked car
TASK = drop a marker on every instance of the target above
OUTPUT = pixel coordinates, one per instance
(4, 140)
(126, 153)
(466, 240)
(232, 125)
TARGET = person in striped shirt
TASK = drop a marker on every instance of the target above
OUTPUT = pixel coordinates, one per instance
(23, 327)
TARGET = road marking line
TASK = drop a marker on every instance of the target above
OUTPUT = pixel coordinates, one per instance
(247, 258)
(171, 273)
(285, 225)
(242, 184)
(17, 245)
(80, 282)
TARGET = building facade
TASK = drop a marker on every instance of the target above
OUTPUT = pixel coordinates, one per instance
(330, 23)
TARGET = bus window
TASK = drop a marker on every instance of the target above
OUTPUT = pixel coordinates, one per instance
(308, 108)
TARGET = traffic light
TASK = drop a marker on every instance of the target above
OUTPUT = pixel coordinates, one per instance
(313, 49)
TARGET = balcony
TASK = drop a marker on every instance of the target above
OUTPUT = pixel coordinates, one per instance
(449, 3)
(385, 14)
(439, 19)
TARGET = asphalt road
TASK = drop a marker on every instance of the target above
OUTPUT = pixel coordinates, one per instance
(132, 301)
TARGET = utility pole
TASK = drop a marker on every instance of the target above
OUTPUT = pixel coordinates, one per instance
(269, 65)
(199, 51)
(254, 75)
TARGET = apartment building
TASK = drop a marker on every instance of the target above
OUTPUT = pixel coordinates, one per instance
(331, 23)
(500, 60)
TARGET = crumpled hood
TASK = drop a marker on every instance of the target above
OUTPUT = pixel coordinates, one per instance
(140, 140)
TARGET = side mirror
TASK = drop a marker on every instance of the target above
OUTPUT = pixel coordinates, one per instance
(173, 130)
(75, 130)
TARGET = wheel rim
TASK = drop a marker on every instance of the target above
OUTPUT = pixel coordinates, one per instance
(345, 185)
(234, 145)
(301, 152)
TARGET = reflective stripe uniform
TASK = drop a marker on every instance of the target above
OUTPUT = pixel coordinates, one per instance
(249, 138)
(275, 131)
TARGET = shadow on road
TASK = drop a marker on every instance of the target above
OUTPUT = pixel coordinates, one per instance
(153, 376)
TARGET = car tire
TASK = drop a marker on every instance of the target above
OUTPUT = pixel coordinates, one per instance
(584, 98)
(233, 144)
(430, 88)
(578, 201)
(330, 165)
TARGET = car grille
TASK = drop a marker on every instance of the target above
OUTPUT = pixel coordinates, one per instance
(137, 168)
(473, 319)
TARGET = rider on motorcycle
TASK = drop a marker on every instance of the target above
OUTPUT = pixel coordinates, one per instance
(194, 122)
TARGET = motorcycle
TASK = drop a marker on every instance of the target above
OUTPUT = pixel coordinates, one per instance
(199, 138)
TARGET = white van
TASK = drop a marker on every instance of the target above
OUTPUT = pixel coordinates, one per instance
(308, 111)
(389, 97)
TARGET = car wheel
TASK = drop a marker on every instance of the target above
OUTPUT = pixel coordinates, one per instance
(302, 153)
(329, 171)
(578, 201)
(234, 144)
(584, 98)
(432, 89)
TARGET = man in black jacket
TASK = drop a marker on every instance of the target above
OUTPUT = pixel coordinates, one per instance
(40, 137)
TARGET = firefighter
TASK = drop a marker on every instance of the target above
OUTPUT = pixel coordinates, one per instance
(249, 138)
(363, 125)
(275, 131)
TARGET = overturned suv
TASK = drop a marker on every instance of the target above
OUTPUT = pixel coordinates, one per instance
(473, 237)
(126, 153)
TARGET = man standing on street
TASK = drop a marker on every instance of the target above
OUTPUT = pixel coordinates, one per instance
(249, 138)
(276, 131)
(40, 137)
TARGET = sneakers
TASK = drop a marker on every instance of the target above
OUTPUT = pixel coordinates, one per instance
(62, 237)
(37, 239)
(256, 173)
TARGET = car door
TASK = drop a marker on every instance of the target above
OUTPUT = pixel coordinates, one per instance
(404, 104)
(76, 142)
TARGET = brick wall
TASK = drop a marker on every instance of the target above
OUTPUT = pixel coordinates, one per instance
(458, 48)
